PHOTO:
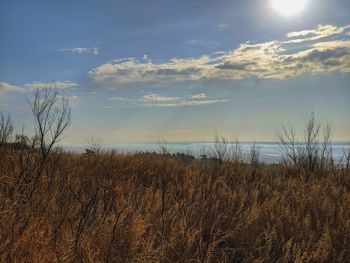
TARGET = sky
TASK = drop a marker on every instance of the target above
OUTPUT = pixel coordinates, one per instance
(145, 71)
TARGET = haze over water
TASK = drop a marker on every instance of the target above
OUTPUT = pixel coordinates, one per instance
(269, 152)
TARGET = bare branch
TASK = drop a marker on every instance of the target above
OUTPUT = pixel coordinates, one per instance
(6, 128)
(52, 116)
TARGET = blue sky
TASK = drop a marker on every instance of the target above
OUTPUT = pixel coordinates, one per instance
(178, 70)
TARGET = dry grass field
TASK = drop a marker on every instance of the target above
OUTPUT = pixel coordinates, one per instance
(109, 207)
(157, 208)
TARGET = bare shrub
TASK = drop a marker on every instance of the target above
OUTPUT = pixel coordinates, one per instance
(226, 150)
(163, 147)
(254, 154)
(94, 145)
(344, 162)
(221, 147)
(313, 152)
(6, 129)
(52, 115)
(236, 152)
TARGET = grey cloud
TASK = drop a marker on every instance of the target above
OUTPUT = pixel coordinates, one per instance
(324, 55)
(181, 72)
(235, 66)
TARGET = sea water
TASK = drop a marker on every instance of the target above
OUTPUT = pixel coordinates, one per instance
(269, 152)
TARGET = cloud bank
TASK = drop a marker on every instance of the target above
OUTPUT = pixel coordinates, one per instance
(56, 84)
(6, 87)
(325, 48)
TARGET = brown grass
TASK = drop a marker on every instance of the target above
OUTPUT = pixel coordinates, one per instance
(110, 207)
(107, 207)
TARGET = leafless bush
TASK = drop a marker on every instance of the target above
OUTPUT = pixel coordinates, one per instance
(22, 139)
(94, 145)
(221, 147)
(226, 150)
(254, 154)
(314, 152)
(6, 129)
(52, 115)
(344, 161)
(236, 152)
(163, 147)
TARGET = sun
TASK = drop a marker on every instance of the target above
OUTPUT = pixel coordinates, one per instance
(289, 7)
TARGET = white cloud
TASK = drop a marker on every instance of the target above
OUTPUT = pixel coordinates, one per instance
(117, 99)
(136, 71)
(183, 102)
(161, 105)
(302, 33)
(74, 98)
(199, 96)
(323, 49)
(81, 50)
(321, 31)
(223, 26)
(199, 102)
(201, 42)
(157, 100)
(151, 98)
(56, 84)
(6, 87)
(192, 41)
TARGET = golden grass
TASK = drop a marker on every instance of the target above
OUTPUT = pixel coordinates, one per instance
(110, 207)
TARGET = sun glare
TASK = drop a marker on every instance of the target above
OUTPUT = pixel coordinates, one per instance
(288, 7)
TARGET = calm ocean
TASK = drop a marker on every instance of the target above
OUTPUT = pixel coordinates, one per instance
(269, 152)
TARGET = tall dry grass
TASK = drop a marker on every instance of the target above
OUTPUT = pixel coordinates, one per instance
(109, 207)
(155, 208)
